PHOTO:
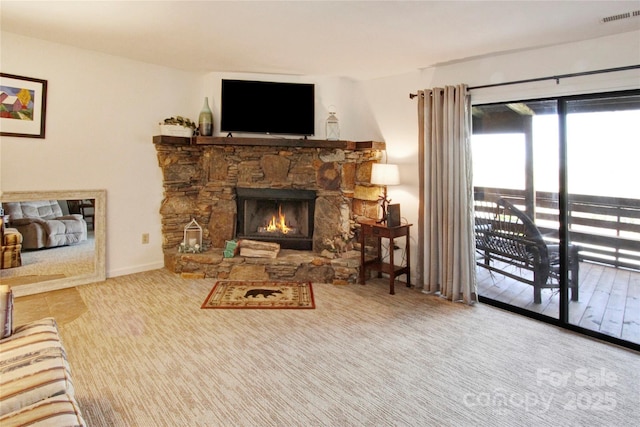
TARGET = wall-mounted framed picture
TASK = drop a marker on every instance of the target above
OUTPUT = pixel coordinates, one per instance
(23, 106)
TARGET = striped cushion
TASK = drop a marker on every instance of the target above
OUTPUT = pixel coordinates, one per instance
(11, 247)
(55, 411)
(33, 366)
(11, 237)
(11, 256)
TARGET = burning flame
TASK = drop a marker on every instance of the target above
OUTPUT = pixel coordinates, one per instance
(278, 224)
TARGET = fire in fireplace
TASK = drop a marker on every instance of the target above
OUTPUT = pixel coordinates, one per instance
(276, 215)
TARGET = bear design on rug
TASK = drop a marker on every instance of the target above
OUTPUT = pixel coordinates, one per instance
(264, 292)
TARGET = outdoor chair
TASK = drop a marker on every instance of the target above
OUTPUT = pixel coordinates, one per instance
(505, 234)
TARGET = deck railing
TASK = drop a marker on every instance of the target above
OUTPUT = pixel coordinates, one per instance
(607, 229)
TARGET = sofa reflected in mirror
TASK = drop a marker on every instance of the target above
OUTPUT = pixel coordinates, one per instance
(43, 224)
(62, 237)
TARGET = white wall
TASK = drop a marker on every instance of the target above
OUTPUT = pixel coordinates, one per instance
(396, 114)
(102, 112)
(355, 118)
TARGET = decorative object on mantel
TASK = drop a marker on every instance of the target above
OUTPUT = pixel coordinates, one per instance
(205, 119)
(332, 126)
(177, 126)
(192, 242)
(260, 294)
(384, 174)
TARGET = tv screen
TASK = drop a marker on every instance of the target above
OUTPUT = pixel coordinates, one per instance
(267, 107)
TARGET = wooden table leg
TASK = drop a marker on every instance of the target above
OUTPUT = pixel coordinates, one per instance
(379, 259)
(362, 233)
(392, 273)
(408, 252)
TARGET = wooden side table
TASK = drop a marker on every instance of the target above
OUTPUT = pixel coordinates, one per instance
(380, 231)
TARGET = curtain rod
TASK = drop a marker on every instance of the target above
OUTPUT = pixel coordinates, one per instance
(556, 78)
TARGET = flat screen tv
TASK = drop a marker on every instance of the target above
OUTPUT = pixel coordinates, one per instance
(267, 107)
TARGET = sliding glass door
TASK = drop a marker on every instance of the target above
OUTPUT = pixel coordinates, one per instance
(603, 188)
(515, 157)
(557, 199)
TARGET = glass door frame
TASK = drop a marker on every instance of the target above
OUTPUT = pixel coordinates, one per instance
(563, 230)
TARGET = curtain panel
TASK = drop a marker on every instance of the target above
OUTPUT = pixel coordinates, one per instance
(446, 242)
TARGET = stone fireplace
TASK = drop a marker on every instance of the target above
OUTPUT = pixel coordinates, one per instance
(234, 187)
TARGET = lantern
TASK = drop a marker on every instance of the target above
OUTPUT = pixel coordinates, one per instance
(333, 127)
(192, 241)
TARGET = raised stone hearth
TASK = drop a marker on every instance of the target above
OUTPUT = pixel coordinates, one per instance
(200, 182)
(289, 265)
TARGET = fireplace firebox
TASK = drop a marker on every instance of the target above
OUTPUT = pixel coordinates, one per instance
(282, 216)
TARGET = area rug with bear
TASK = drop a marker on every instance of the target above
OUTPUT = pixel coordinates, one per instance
(260, 294)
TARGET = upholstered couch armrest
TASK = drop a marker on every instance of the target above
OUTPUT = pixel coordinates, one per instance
(72, 217)
(33, 366)
(11, 237)
(61, 410)
(26, 221)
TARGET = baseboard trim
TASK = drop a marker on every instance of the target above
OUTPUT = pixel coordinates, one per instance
(135, 269)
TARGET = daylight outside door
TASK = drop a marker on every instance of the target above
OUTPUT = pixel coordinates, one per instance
(515, 158)
(570, 167)
(603, 185)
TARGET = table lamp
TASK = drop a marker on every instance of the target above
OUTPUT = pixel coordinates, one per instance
(384, 174)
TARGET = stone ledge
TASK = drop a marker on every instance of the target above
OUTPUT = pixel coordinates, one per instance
(269, 142)
(288, 265)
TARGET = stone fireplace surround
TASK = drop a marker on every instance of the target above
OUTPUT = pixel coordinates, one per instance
(200, 181)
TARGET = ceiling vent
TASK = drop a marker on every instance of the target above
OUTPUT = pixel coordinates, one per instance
(612, 18)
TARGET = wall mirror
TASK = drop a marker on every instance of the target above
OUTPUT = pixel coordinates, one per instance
(65, 266)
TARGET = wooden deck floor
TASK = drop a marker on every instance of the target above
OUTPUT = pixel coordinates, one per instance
(609, 299)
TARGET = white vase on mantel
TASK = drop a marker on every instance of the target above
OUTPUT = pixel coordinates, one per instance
(205, 119)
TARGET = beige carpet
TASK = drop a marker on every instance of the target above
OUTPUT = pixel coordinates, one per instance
(145, 354)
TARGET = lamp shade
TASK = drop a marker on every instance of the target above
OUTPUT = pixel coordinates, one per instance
(385, 174)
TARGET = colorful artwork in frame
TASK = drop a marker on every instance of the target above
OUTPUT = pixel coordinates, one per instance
(23, 102)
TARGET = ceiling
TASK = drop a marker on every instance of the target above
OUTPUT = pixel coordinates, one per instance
(355, 39)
